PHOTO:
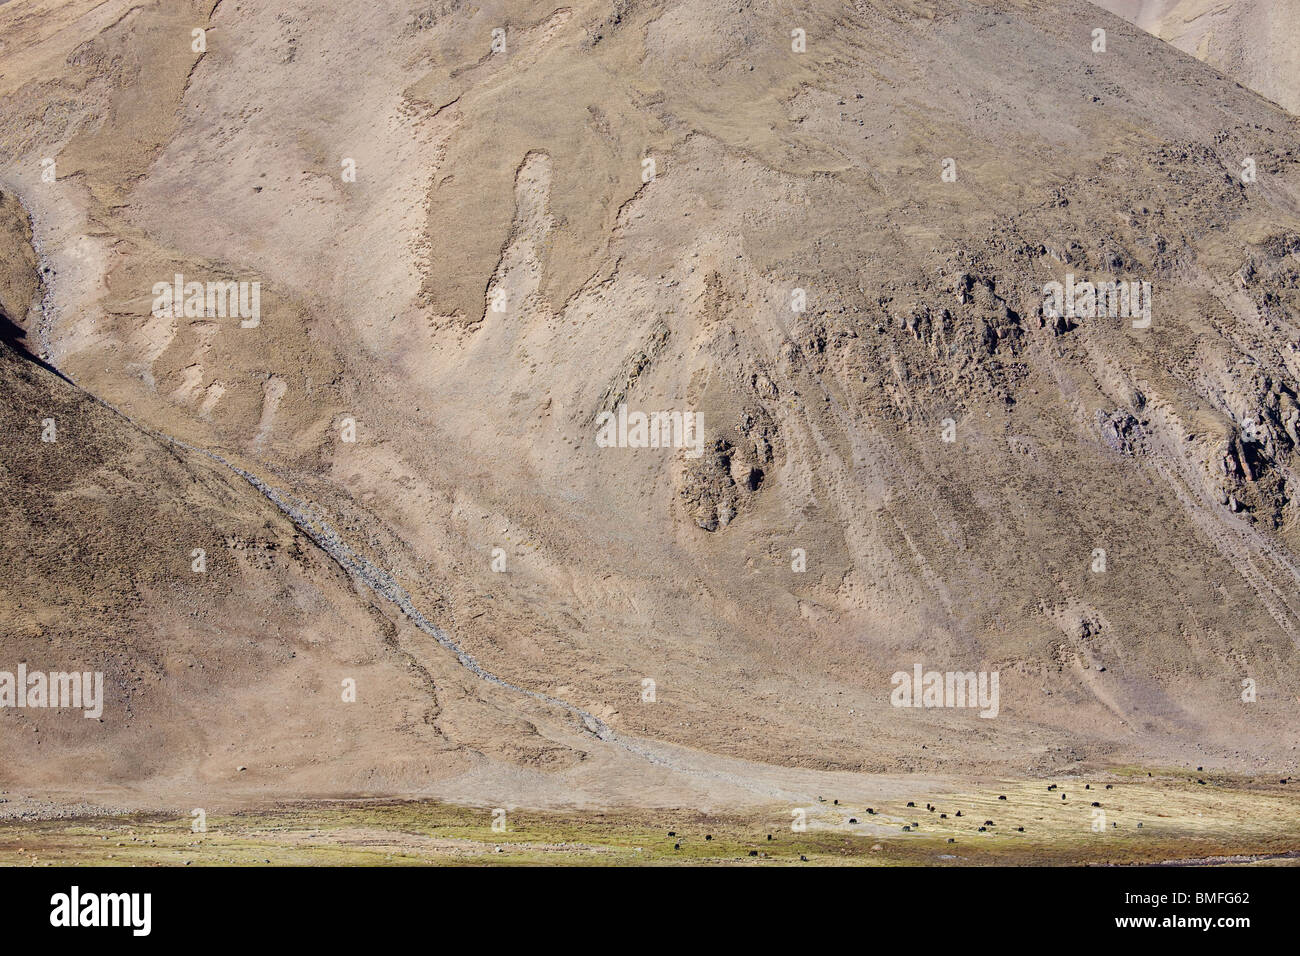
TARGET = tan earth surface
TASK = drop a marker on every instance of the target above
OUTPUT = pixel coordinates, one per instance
(1111, 528)
(1252, 41)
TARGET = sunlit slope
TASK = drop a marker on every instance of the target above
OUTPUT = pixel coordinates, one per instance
(643, 190)
(1251, 41)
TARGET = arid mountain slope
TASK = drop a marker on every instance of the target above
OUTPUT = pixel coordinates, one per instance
(1252, 41)
(504, 268)
(238, 659)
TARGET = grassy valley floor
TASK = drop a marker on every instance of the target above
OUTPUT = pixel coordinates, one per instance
(1167, 817)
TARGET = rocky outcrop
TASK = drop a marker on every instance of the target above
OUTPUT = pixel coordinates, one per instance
(724, 482)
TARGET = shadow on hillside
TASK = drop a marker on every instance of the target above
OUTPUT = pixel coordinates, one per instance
(14, 336)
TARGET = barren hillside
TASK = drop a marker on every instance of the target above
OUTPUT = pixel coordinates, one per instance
(1252, 41)
(826, 229)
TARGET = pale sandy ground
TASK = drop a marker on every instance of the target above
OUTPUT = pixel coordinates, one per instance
(1252, 41)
